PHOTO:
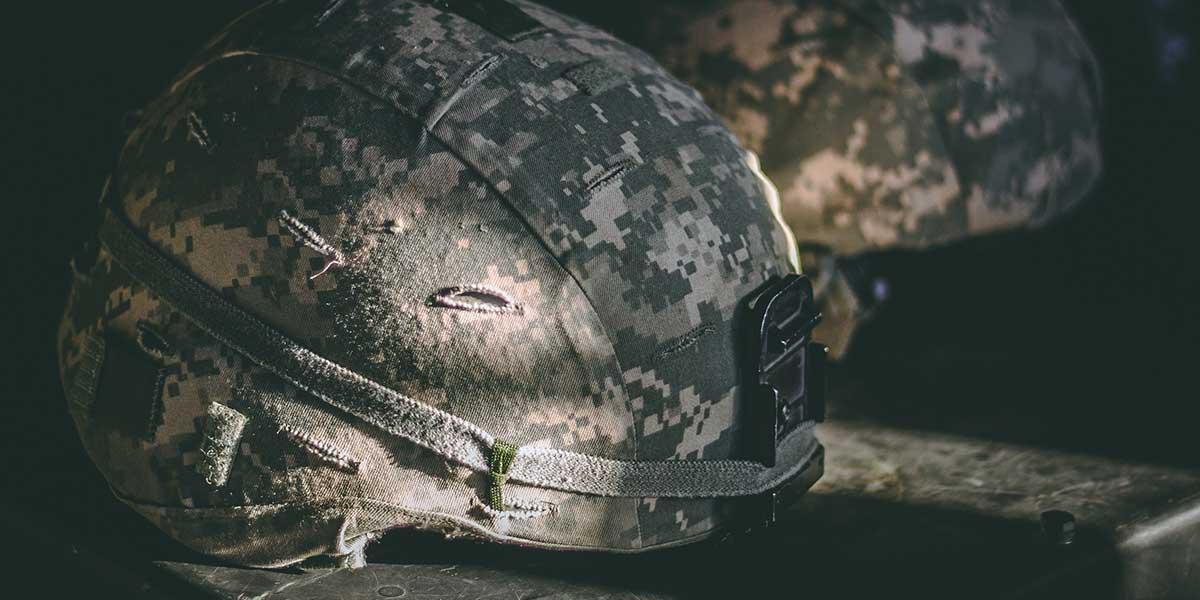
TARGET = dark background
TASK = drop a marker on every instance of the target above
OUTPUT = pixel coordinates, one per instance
(1082, 337)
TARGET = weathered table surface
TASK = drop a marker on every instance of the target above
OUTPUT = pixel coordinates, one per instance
(897, 512)
(920, 498)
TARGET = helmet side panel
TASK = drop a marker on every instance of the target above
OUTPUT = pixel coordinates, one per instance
(335, 220)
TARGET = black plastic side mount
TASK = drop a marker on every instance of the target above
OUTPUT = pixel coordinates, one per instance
(784, 368)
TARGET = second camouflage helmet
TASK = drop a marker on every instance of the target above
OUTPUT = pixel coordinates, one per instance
(886, 123)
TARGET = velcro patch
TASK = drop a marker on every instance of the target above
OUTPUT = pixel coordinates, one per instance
(497, 16)
(87, 375)
(594, 77)
(129, 392)
(223, 429)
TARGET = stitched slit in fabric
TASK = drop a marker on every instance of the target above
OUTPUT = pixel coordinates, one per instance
(257, 401)
(485, 66)
(320, 449)
(516, 510)
(309, 237)
(683, 342)
(153, 342)
(476, 298)
(332, 7)
(609, 177)
(198, 132)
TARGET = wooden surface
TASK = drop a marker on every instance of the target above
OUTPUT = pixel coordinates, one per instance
(904, 512)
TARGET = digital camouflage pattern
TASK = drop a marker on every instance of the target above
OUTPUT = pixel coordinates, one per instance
(888, 124)
(330, 167)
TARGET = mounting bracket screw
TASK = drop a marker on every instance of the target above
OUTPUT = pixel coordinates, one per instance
(1059, 527)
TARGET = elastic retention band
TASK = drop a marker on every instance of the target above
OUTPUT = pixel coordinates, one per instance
(443, 433)
(502, 457)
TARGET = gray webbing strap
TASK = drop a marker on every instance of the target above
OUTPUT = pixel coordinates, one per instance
(443, 433)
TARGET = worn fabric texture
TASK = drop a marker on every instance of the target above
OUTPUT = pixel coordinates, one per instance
(333, 170)
(892, 123)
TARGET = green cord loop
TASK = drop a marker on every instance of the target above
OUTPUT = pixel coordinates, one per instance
(499, 462)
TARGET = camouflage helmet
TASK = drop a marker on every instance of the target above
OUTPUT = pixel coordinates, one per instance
(888, 123)
(891, 124)
(471, 267)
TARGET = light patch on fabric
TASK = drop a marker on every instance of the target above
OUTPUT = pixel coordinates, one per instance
(223, 429)
(389, 227)
(594, 77)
